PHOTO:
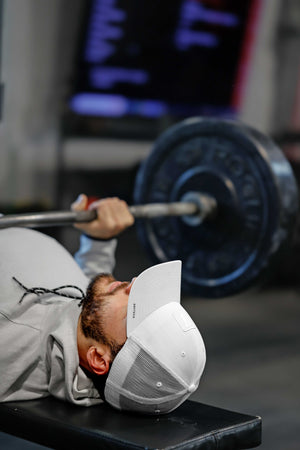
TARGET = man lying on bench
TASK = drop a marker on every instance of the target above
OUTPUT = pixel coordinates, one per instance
(70, 330)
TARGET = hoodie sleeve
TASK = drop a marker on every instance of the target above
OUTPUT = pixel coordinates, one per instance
(96, 256)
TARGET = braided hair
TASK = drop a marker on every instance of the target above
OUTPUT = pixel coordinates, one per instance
(58, 291)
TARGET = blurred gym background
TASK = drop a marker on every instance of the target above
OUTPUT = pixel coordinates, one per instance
(88, 85)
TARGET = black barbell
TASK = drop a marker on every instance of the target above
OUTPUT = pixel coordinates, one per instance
(203, 169)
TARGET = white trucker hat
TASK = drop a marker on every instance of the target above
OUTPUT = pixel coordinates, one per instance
(163, 358)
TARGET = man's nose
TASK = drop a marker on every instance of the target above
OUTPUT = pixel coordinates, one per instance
(128, 288)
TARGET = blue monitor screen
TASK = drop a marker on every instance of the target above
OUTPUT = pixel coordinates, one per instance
(151, 59)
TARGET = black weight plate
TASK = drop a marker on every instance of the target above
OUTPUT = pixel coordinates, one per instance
(256, 193)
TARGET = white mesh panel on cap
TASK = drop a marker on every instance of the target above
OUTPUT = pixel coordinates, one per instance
(146, 376)
(118, 372)
(147, 387)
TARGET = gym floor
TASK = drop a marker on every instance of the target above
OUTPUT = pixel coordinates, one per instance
(252, 340)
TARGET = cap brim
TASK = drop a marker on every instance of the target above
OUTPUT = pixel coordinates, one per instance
(153, 288)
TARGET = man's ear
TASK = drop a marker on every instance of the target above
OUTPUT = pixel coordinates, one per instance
(98, 359)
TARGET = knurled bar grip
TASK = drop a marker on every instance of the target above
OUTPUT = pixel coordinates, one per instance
(203, 208)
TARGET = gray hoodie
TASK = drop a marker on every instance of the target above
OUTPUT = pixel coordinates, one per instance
(38, 337)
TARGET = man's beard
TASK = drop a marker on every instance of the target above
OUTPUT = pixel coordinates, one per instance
(95, 305)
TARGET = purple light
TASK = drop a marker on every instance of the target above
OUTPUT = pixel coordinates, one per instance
(186, 38)
(107, 77)
(192, 11)
(115, 106)
(148, 108)
(99, 105)
(98, 52)
(106, 9)
(100, 29)
(219, 18)
(107, 13)
(104, 31)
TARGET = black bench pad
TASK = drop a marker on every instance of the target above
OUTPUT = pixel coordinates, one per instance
(60, 425)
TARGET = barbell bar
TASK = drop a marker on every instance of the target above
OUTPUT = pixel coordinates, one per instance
(202, 207)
